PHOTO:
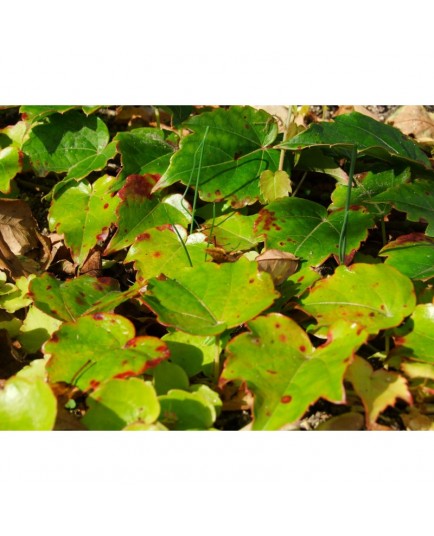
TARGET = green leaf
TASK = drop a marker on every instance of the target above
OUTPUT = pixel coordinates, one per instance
(314, 159)
(194, 353)
(303, 228)
(83, 212)
(416, 199)
(117, 403)
(36, 329)
(375, 296)
(368, 134)
(232, 232)
(64, 141)
(181, 410)
(76, 359)
(94, 162)
(73, 298)
(15, 297)
(367, 187)
(169, 376)
(160, 251)
(377, 389)
(209, 298)
(33, 113)
(143, 150)
(139, 211)
(412, 255)
(274, 185)
(27, 404)
(226, 154)
(285, 372)
(10, 165)
(415, 339)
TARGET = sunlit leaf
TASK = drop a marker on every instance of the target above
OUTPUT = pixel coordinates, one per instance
(415, 339)
(120, 354)
(226, 154)
(64, 141)
(303, 228)
(83, 212)
(232, 231)
(274, 185)
(117, 403)
(370, 136)
(67, 300)
(10, 165)
(181, 410)
(209, 298)
(27, 404)
(375, 296)
(139, 211)
(412, 254)
(285, 372)
(160, 251)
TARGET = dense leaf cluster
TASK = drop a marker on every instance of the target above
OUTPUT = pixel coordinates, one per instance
(191, 268)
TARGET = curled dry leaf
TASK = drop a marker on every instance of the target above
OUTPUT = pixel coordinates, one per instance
(279, 264)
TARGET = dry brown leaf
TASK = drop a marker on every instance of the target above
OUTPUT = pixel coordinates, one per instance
(279, 264)
(414, 121)
(18, 227)
(346, 109)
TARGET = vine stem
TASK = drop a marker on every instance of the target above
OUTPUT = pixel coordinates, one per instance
(343, 235)
(216, 372)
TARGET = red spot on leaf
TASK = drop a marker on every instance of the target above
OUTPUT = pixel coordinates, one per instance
(102, 235)
(164, 227)
(79, 300)
(302, 348)
(152, 363)
(54, 337)
(126, 374)
(98, 316)
(48, 287)
(277, 325)
(271, 371)
(156, 254)
(138, 186)
(286, 399)
(400, 340)
(163, 349)
(277, 227)
(371, 315)
(300, 279)
(94, 384)
(143, 236)
(282, 338)
(265, 220)
(106, 205)
(251, 281)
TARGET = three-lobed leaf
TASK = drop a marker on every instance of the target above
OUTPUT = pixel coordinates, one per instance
(285, 372)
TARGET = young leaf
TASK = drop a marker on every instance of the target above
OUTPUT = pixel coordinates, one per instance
(415, 339)
(139, 211)
(232, 148)
(374, 296)
(367, 187)
(27, 404)
(416, 199)
(160, 251)
(76, 358)
(117, 403)
(143, 150)
(65, 141)
(274, 185)
(377, 389)
(284, 371)
(83, 212)
(36, 329)
(70, 299)
(209, 298)
(412, 254)
(10, 165)
(232, 232)
(368, 134)
(303, 228)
